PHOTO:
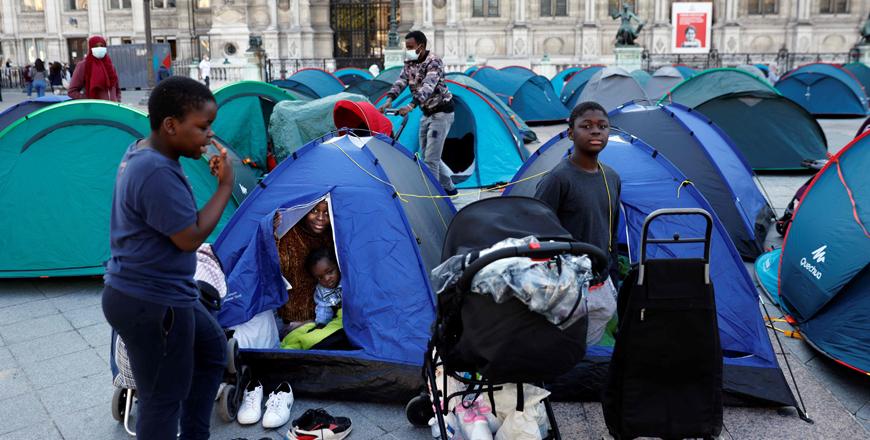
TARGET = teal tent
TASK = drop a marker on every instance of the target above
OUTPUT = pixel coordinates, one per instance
(481, 148)
(825, 90)
(519, 125)
(562, 77)
(642, 76)
(312, 82)
(352, 75)
(390, 75)
(771, 131)
(861, 72)
(244, 109)
(57, 169)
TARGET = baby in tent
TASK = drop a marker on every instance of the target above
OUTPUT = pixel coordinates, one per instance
(326, 332)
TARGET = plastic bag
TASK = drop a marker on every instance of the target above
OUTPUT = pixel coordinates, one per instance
(529, 424)
(600, 303)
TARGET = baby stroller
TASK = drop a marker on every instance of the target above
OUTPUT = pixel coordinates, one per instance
(209, 280)
(496, 343)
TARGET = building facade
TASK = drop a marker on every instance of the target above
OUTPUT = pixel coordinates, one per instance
(354, 32)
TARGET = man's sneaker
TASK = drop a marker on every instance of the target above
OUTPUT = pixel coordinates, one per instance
(452, 192)
(252, 404)
(278, 406)
(317, 424)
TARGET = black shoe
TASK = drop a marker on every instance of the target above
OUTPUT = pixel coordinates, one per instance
(452, 192)
(317, 424)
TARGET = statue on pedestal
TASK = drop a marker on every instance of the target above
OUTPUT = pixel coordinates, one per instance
(627, 33)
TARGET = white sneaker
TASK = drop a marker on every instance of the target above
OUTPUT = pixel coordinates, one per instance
(252, 403)
(278, 406)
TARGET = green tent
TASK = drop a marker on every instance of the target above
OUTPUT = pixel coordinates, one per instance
(57, 175)
(244, 109)
(771, 131)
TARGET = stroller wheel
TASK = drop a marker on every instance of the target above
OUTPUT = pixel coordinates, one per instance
(119, 403)
(228, 406)
(419, 410)
(232, 355)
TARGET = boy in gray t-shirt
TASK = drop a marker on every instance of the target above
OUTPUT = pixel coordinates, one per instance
(583, 191)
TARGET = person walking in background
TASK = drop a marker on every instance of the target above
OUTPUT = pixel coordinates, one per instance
(39, 76)
(205, 70)
(96, 78)
(27, 74)
(55, 76)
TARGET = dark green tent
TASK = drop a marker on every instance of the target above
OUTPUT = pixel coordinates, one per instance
(771, 131)
(57, 172)
(244, 109)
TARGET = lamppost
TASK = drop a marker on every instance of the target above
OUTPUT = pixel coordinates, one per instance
(149, 52)
(393, 35)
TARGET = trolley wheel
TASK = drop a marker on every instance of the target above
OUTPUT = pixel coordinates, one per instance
(232, 355)
(119, 403)
(227, 405)
(419, 410)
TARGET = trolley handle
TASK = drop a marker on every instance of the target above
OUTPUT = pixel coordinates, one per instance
(539, 250)
(677, 239)
(395, 112)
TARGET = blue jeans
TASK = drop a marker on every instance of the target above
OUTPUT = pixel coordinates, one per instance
(39, 85)
(178, 357)
(28, 87)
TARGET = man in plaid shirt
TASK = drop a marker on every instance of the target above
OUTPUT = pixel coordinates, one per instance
(424, 74)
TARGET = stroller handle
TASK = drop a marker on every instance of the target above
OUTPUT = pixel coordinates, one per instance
(545, 250)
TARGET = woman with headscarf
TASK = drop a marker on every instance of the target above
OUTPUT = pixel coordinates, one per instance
(95, 77)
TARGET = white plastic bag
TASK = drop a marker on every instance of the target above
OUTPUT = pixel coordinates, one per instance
(531, 423)
(601, 306)
(520, 425)
(260, 332)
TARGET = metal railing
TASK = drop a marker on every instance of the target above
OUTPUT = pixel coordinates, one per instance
(281, 68)
(784, 60)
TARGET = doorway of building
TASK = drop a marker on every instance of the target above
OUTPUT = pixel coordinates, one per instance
(360, 30)
(77, 48)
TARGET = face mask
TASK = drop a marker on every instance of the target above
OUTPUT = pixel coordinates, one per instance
(99, 52)
(411, 55)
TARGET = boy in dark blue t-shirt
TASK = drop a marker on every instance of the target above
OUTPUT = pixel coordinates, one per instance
(176, 347)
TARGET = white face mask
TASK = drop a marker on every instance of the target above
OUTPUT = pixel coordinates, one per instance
(99, 52)
(411, 55)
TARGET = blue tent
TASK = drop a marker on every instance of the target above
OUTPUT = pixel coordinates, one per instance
(575, 84)
(519, 126)
(708, 157)
(825, 90)
(352, 75)
(482, 147)
(532, 97)
(650, 182)
(611, 87)
(641, 76)
(311, 82)
(824, 268)
(386, 244)
(390, 75)
(558, 81)
(471, 70)
(25, 108)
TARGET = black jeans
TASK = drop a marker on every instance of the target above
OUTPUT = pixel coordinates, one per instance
(178, 357)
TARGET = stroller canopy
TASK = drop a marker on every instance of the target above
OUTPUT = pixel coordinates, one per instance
(710, 160)
(771, 131)
(570, 93)
(385, 243)
(662, 81)
(481, 147)
(824, 271)
(25, 108)
(360, 116)
(650, 182)
(562, 77)
(244, 109)
(612, 87)
(312, 82)
(825, 90)
(519, 126)
(58, 172)
(352, 75)
(531, 96)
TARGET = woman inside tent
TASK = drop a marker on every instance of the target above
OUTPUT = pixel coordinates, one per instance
(96, 78)
(314, 231)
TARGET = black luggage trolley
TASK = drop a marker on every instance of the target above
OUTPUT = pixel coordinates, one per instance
(502, 343)
(666, 371)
